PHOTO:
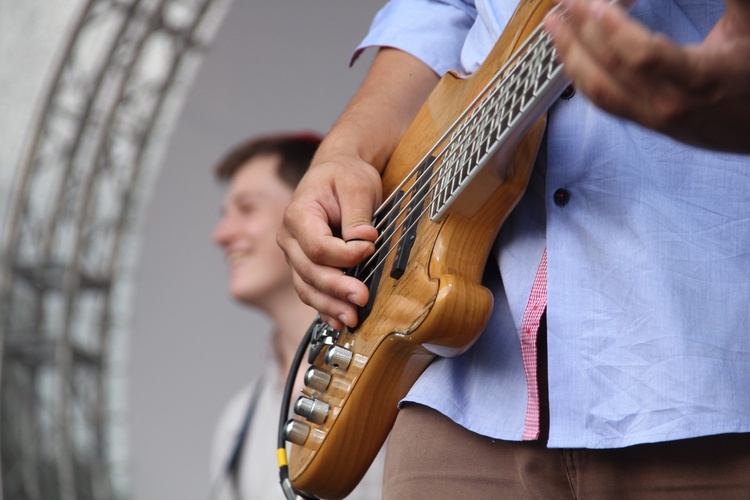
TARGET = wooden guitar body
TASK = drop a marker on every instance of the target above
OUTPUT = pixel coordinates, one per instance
(437, 306)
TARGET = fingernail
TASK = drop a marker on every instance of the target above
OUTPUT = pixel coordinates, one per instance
(354, 299)
(342, 318)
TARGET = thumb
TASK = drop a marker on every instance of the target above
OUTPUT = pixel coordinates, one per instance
(358, 201)
(357, 219)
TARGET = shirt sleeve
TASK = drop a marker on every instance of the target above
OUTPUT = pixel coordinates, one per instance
(433, 31)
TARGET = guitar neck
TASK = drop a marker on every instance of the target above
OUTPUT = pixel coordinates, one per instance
(518, 95)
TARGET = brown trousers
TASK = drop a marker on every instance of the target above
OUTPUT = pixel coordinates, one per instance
(431, 457)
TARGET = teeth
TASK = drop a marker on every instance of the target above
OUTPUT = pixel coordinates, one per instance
(236, 256)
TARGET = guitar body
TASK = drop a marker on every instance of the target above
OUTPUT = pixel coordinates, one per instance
(438, 306)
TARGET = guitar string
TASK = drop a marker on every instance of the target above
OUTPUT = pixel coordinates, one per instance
(504, 71)
(523, 60)
(493, 88)
(467, 125)
(404, 231)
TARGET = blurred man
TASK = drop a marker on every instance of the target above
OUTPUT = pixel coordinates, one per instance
(261, 175)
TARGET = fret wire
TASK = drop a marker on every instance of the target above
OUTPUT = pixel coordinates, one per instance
(529, 70)
(538, 59)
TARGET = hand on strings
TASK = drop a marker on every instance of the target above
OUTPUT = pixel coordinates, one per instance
(328, 225)
(327, 228)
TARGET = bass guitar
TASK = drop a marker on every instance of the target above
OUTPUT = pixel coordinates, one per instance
(458, 172)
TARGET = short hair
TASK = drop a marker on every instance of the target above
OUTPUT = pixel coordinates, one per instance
(295, 152)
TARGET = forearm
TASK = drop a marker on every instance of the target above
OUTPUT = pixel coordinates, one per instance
(378, 115)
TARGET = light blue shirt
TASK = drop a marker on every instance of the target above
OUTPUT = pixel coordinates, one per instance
(648, 306)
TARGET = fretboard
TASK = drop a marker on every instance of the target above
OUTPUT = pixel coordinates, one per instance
(515, 98)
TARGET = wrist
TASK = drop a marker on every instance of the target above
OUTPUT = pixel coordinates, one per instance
(347, 152)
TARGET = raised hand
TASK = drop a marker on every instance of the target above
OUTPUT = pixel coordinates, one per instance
(697, 94)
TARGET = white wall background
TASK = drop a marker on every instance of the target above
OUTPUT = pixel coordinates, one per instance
(276, 65)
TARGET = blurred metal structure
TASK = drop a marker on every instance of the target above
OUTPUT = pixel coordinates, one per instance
(69, 242)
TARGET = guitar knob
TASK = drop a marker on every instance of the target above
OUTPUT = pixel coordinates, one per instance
(338, 357)
(317, 379)
(314, 410)
(296, 432)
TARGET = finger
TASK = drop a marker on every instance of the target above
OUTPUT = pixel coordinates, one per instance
(358, 198)
(595, 64)
(307, 225)
(600, 28)
(328, 280)
(332, 322)
(625, 47)
(660, 80)
(336, 312)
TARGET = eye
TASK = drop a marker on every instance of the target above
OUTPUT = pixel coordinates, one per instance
(246, 208)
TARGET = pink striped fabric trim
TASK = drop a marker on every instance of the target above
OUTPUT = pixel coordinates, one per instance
(529, 328)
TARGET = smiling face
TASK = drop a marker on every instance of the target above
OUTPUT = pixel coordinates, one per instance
(253, 209)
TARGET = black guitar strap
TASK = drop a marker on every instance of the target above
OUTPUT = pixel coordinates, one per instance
(231, 473)
(233, 465)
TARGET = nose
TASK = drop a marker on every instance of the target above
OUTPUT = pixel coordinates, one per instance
(224, 231)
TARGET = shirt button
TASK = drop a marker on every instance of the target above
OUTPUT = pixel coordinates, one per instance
(561, 197)
(569, 92)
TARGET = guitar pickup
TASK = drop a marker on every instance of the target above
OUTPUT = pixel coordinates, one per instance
(371, 273)
(409, 232)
